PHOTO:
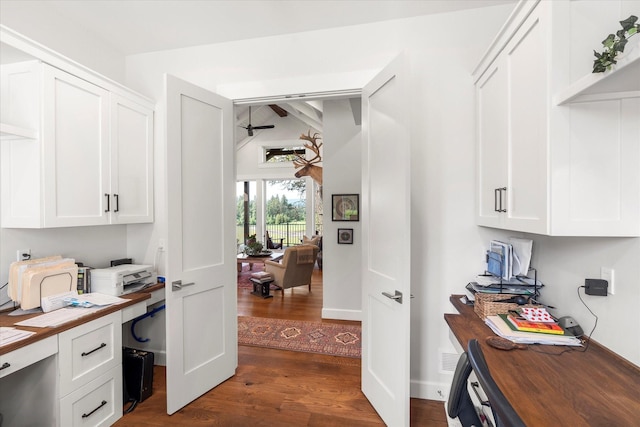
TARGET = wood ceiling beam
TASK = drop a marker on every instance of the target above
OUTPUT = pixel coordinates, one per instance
(278, 110)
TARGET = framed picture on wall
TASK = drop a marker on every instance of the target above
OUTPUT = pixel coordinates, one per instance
(345, 207)
(345, 236)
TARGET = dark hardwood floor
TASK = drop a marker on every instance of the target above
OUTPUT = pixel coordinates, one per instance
(280, 388)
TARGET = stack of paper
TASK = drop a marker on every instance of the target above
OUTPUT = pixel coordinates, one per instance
(9, 335)
(508, 260)
(514, 286)
(503, 330)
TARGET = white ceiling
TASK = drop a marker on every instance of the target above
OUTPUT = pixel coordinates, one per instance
(136, 26)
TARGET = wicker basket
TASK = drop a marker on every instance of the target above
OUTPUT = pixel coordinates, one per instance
(488, 305)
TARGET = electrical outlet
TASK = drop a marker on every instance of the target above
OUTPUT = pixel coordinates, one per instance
(607, 274)
(23, 254)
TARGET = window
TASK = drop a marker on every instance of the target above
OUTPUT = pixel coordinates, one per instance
(282, 154)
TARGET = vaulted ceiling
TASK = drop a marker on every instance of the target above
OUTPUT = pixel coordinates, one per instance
(308, 113)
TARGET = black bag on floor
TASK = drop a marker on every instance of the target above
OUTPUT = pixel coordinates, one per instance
(137, 372)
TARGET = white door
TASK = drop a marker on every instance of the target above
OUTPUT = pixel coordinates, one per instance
(201, 282)
(386, 239)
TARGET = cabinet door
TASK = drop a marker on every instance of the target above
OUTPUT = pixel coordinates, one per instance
(76, 151)
(131, 162)
(492, 113)
(527, 149)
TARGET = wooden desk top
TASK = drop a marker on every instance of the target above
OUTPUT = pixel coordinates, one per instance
(592, 388)
(41, 333)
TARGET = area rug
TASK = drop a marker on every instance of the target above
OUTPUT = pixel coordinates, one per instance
(334, 339)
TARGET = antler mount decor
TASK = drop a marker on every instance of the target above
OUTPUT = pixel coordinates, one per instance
(309, 167)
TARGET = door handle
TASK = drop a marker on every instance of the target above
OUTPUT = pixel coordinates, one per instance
(117, 198)
(177, 285)
(397, 297)
(108, 202)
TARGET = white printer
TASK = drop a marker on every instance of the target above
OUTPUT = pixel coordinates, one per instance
(122, 279)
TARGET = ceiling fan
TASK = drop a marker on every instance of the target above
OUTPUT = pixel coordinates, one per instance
(251, 128)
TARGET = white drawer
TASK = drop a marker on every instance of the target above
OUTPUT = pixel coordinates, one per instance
(28, 355)
(88, 351)
(133, 311)
(98, 403)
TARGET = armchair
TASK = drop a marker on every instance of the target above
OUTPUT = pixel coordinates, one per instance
(270, 244)
(296, 267)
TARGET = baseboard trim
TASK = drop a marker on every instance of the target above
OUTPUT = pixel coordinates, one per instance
(429, 390)
(340, 314)
(159, 357)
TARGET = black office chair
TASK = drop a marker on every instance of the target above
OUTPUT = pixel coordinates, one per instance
(503, 413)
(459, 404)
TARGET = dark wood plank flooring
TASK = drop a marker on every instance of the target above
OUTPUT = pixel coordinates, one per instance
(280, 388)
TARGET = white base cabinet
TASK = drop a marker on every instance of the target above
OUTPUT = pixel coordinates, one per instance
(564, 170)
(91, 161)
(98, 403)
(73, 378)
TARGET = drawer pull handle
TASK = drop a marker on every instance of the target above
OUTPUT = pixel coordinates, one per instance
(86, 353)
(5, 365)
(104, 402)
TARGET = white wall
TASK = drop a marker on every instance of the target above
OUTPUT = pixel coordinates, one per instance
(342, 273)
(94, 246)
(63, 36)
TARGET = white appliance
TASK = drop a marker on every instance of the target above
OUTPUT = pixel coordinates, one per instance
(122, 279)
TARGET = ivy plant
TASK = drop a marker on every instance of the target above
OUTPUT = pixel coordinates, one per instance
(614, 44)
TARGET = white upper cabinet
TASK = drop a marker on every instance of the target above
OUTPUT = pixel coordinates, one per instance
(565, 170)
(90, 162)
(131, 161)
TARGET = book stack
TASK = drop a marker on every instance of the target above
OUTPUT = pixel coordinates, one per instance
(518, 323)
(530, 326)
(262, 277)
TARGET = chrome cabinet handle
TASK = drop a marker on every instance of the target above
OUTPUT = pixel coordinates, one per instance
(503, 189)
(103, 345)
(497, 199)
(177, 285)
(397, 297)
